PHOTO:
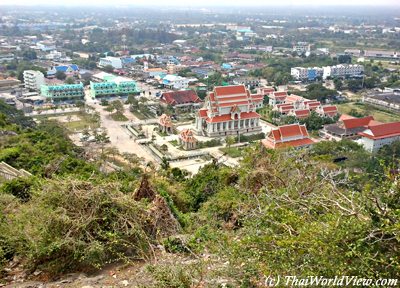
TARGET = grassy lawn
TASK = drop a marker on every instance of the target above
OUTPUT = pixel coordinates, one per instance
(142, 116)
(174, 143)
(378, 113)
(233, 152)
(264, 112)
(118, 116)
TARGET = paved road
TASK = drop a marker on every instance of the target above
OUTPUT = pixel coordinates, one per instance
(119, 136)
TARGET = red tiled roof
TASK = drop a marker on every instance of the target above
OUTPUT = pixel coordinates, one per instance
(267, 90)
(187, 136)
(380, 131)
(284, 105)
(345, 116)
(329, 109)
(247, 115)
(292, 130)
(257, 97)
(293, 143)
(302, 113)
(203, 113)
(165, 120)
(293, 98)
(357, 122)
(212, 96)
(313, 104)
(180, 97)
(229, 90)
(276, 138)
(282, 93)
(279, 95)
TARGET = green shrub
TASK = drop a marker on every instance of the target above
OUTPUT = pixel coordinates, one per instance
(19, 187)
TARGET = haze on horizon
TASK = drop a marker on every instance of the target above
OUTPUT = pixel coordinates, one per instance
(204, 3)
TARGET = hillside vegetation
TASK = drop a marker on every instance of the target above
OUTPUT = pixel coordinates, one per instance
(278, 213)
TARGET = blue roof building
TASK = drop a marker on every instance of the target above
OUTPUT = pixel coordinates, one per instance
(226, 66)
(70, 70)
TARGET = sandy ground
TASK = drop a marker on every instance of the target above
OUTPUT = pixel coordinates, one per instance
(119, 136)
(66, 119)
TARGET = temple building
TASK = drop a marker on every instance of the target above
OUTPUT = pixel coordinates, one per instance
(286, 136)
(165, 124)
(228, 110)
(187, 139)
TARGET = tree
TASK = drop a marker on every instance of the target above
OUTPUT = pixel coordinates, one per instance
(371, 82)
(69, 80)
(164, 163)
(344, 59)
(60, 75)
(118, 106)
(108, 69)
(230, 140)
(354, 85)
(29, 55)
(338, 84)
(164, 148)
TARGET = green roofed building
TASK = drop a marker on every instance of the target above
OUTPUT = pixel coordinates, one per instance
(111, 85)
(63, 92)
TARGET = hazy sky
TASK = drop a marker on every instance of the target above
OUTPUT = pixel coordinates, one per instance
(203, 2)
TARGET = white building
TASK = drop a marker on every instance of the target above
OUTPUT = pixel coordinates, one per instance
(302, 73)
(45, 46)
(302, 48)
(115, 62)
(53, 55)
(6, 57)
(377, 136)
(175, 82)
(33, 79)
(343, 70)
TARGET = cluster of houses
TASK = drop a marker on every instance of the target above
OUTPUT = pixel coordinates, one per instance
(297, 106)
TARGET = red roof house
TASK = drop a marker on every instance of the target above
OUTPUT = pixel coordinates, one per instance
(311, 104)
(184, 98)
(328, 111)
(376, 136)
(265, 91)
(348, 127)
(277, 98)
(283, 108)
(300, 114)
